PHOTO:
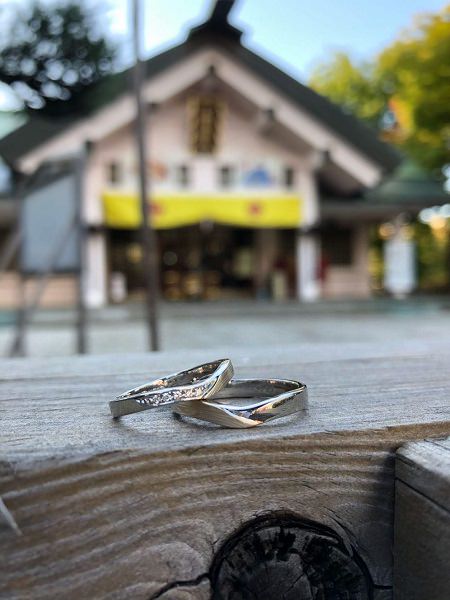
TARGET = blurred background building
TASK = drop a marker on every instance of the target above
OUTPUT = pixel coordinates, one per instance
(260, 187)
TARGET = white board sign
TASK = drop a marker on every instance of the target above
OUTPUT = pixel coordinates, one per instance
(47, 211)
(399, 266)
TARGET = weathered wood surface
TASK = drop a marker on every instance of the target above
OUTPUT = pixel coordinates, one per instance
(140, 508)
(422, 521)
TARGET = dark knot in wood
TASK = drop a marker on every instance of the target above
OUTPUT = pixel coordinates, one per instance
(282, 557)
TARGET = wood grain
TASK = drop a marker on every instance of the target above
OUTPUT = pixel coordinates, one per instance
(138, 508)
(422, 521)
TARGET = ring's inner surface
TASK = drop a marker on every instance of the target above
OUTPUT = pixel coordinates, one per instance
(255, 388)
(192, 375)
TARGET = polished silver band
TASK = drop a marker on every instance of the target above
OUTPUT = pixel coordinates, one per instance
(282, 397)
(199, 382)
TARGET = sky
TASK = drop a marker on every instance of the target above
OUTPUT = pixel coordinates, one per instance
(293, 34)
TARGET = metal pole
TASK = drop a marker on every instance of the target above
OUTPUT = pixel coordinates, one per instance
(80, 163)
(150, 258)
(18, 346)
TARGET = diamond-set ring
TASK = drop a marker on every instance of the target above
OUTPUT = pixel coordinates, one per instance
(197, 383)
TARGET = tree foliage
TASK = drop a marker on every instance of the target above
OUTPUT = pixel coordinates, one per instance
(52, 53)
(352, 86)
(404, 91)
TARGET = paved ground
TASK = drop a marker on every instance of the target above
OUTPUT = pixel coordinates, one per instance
(184, 326)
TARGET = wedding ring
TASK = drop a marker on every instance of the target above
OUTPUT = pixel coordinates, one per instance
(282, 397)
(193, 384)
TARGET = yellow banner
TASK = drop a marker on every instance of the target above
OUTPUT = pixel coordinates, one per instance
(122, 210)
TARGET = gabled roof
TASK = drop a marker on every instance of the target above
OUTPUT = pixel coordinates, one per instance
(409, 188)
(215, 31)
(409, 184)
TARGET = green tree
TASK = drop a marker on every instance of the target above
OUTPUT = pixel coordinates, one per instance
(352, 86)
(404, 91)
(52, 53)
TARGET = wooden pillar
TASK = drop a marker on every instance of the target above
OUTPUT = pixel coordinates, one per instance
(96, 277)
(308, 261)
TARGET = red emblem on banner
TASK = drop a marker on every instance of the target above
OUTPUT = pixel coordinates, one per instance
(255, 208)
(155, 209)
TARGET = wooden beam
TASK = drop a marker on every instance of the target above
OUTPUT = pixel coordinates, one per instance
(422, 521)
(146, 506)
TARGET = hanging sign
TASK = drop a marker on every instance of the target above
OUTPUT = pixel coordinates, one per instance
(122, 210)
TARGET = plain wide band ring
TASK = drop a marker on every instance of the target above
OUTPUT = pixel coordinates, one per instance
(199, 382)
(281, 397)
